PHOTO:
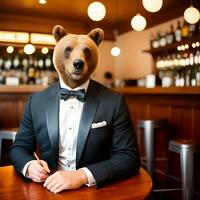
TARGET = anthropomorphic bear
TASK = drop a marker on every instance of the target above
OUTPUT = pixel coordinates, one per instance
(82, 129)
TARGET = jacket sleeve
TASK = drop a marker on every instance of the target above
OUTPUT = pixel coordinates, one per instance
(125, 160)
(24, 144)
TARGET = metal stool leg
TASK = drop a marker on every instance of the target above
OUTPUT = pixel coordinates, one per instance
(186, 157)
(149, 144)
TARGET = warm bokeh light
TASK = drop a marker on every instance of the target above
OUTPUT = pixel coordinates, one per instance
(44, 50)
(138, 22)
(42, 1)
(40, 38)
(96, 11)
(115, 51)
(19, 37)
(152, 5)
(29, 49)
(10, 49)
(191, 15)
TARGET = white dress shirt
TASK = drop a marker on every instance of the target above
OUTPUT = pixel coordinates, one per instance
(70, 112)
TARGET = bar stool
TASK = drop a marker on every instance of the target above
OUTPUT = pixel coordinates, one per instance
(149, 127)
(186, 149)
(6, 135)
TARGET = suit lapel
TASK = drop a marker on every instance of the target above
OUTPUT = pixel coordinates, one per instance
(52, 116)
(88, 114)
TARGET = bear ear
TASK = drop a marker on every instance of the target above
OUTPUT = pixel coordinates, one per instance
(59, 32)
(96, 35)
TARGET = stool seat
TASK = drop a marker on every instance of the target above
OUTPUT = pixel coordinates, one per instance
(180, 144)
(156, 123)
(186, 149)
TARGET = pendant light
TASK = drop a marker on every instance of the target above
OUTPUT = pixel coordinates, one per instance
(191, 14)
(138, 22)
(115, 51)
(96, 11)
(152, 5)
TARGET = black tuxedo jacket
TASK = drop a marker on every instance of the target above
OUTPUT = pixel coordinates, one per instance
(109, 152)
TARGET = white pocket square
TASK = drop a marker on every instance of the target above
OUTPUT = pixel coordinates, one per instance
(99, 124)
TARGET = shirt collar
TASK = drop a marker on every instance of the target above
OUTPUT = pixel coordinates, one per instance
(83, 86)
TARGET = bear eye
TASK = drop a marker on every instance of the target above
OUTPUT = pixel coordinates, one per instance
(87, 52)
(68, 49)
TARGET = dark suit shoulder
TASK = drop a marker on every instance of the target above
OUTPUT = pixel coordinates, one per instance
(51, 90)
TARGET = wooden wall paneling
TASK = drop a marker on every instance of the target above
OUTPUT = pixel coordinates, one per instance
(197, 123)
(9, 114)
(11, 109)
(182, 120)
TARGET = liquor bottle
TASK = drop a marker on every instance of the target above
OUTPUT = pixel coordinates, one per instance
(24, 63)
(41, 63)
(1, 70)
(178, 37)
(152, 41)
(1, 63)
(198, 76)
(185, 30)
(193, 76)
(48, 62)
(37, 71)
(16, 62)
(193, 30)
(31, 71)
(170, 36)
(8, 63)
(155, 42)
(162, 41)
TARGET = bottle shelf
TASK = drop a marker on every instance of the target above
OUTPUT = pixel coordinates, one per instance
(173, 46)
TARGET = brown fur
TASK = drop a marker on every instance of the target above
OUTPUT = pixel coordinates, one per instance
(70, 47)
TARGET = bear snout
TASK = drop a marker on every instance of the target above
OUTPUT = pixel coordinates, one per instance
(78, 64)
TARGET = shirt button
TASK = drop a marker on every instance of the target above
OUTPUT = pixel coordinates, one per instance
(68, 166)
(70, 128)
(72, 107)
(69, 149)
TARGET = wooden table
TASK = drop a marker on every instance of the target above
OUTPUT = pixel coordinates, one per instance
(12, 187)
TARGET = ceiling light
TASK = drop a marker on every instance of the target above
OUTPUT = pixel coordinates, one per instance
(138, 22)
(42, 1)
(191, 15)
(115, 51)
(152, 5)
(10, 49)
(29, 49)
(96, 11)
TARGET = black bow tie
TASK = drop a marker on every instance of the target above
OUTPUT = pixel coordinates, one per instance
(79, 94)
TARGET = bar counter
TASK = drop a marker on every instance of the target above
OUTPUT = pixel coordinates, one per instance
(180, 105)
(160, 90)
(20, 89)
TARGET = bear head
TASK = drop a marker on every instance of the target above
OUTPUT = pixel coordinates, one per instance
(75, 57)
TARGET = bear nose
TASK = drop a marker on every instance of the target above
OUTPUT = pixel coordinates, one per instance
(78, 64)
